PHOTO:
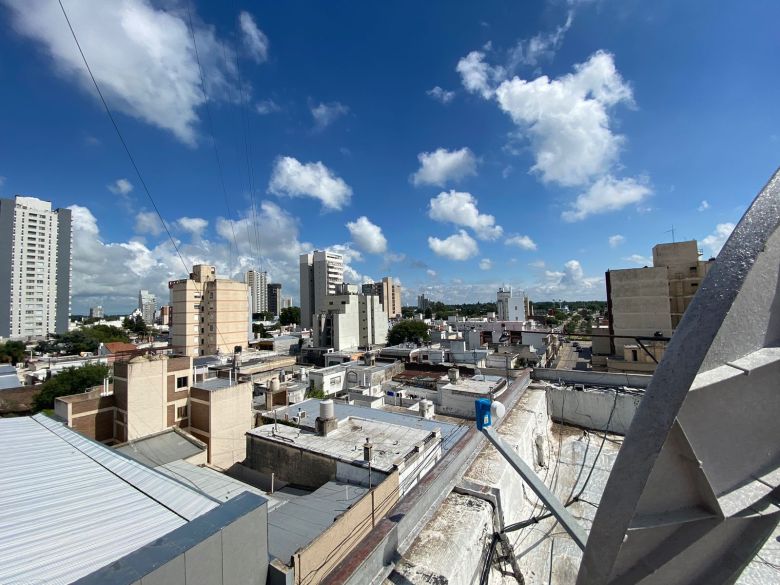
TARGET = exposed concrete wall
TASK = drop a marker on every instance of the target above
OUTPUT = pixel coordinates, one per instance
(289, 463)
(230, 410)
(452, 547)
(590, 377)
(591, 408)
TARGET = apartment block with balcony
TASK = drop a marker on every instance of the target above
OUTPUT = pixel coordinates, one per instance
(321, 272)
(35, 268)
(210, 315)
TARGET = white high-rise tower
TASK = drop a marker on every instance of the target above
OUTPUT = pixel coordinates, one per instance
(258, 290)
(35, 265)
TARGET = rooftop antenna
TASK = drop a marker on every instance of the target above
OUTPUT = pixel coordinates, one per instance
(672, 231)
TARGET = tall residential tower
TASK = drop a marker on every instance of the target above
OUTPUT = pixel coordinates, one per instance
(147, 304)
(321, 273)
(209, 314)
(257, 281)
(35, 267)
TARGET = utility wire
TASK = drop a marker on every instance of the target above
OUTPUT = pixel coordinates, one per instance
(211, 129)
(130, 155)
(121, 138)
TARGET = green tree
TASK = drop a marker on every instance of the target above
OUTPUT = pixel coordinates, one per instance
(260, 328)
(12, 352)
(70, 381)
(408, 331)
(290, 316)
(135, 325)
(86, 339)
(428, 313)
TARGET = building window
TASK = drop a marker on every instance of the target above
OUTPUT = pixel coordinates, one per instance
(181, 412)
(182, 382)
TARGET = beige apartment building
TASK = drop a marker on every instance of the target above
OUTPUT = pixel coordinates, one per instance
(153, 393)
(389, 295)
(652, 300)
(209, 315)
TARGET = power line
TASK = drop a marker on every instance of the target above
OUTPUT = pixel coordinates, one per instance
(211, 129)
(121, 138)
(130, 155)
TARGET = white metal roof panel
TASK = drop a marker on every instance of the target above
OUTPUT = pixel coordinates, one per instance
(71, 506)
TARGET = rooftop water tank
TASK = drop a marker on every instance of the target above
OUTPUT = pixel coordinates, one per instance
(327, 410)
(273, 385)
(453, 375)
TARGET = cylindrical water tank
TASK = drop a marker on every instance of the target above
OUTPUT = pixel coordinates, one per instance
(327, 410)
(273, 384)
(453, 374)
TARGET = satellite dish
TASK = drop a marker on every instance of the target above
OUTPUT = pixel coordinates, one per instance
(692, 496)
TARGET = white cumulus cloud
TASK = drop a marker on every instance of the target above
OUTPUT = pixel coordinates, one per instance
(461, 209)
(606, 194)
(460, 246)
(639, 259)
(478, 76)
(616, 240)
(121, 187)
(704, 205)
(571, 281)
(485, 264)
(367, 236)
(524, 242)
(541, 46)
(193, 225)
(567, 119)
(255, 40)
(265, 107)
(441, 95)
(147, 222)
(292, 178)
(714, 242)
(142, 57)
(325, 114)
(442, 165)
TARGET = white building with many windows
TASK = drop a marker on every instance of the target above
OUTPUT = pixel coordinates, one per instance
(35, 267)
(147, 304)
(321, 272)
(257, 282)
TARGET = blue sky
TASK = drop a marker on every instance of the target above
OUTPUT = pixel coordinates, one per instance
(454, 147)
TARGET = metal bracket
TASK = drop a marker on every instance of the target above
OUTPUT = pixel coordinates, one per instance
(553, 504)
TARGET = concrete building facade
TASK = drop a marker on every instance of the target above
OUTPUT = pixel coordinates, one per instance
(349, 320)
(147, 304)
(257, 283)
(650, 300)
(511, 305)
(389, 295)
(35, 268)
(210, 315)
(153, 393)
(274, 299)
(321, 272)
(96, 312)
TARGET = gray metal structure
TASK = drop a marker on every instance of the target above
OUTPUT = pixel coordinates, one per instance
(693, 494)
(557, 509)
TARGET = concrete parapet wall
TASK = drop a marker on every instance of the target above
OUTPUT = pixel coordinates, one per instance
(313, 562)
(592, 378)
(591, 408)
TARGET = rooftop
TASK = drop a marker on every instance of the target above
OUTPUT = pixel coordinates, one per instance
(60, 519)
(161, 448)
(211, 384)
(391, 442)
(450, 432)
(480, 385)
(299, 519)
(8, 377)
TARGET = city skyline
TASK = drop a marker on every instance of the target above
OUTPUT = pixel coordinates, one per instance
(441, 161)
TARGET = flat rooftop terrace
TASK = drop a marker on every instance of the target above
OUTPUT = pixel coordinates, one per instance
(391, 442)
(450, 431)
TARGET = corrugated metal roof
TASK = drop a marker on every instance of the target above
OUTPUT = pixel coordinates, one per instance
(161, 448)
(303, 518)
(71, 505)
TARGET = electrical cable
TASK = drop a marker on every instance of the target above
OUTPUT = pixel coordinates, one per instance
(127, 151)
(211, 129)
